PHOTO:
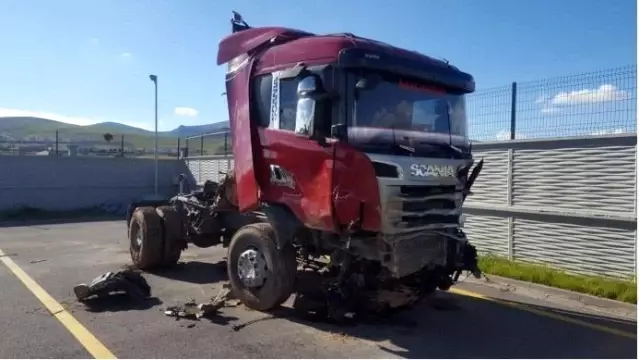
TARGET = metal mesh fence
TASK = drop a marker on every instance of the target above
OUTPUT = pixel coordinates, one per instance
(218, 143)
(489, 113)
(74, 141)
(595, 103)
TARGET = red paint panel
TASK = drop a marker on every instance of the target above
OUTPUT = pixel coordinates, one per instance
(310, 167)
(245, 41)
(355, 182)
(237, 90)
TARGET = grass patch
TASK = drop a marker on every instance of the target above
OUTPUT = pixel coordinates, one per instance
(614, 289)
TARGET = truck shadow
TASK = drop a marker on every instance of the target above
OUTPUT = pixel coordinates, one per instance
(455, 326)
(194, 272)
(119, 302)
(451, 326)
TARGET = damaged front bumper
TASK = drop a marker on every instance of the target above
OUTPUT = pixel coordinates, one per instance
(445, 249)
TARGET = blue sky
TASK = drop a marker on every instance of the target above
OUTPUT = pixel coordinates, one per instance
(85, 61)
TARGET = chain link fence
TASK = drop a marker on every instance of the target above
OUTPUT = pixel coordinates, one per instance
(595, 103)
(589, 104)
(76, 142)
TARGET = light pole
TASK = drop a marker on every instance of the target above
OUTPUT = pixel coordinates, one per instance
(154, 78)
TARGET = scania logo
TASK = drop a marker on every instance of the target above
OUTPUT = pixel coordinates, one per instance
(422, 170)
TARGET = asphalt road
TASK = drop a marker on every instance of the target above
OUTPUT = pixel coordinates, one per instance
(59, 256)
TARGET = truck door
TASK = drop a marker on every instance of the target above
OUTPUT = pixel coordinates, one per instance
(295, 168)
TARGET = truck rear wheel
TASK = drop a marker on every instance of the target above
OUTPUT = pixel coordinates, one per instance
(173, 234)
(262, 276)
(146, 238)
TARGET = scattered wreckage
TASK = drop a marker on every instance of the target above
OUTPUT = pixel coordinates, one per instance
(382, 203)
(129, 282)
(133, 284)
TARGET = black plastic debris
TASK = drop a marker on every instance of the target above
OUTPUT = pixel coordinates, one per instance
(130, 282)
(189, 310)
(193, 311)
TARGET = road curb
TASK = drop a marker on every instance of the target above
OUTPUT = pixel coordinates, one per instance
(539, 291)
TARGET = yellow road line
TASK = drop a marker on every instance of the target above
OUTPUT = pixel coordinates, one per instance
(547, 314)
(86, 339)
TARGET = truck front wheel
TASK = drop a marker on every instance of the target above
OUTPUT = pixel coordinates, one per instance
(261, 275)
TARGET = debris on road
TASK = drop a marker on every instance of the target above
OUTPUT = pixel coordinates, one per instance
(130, 282)
(193, 311)
(189, 310)
(36, 261)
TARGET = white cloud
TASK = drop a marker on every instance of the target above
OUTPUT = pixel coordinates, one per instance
(185, 111)
(505, 135)
(542, 99)
(125, 58)
(73, 120)
(604, 93)
(609, 131)
(550, 109)
(94, 40)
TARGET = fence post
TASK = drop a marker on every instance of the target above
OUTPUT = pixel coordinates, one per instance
(509, 202)
(513, 111)
(57, 141)
(202, 144)
(122, 145)
(226, 139)
(178, 148)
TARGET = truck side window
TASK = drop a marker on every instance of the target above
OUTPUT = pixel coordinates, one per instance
(288, 103)
(261, 96)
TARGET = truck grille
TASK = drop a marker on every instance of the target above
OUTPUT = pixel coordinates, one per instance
(414, 215)
(424, 205)
(419, 214)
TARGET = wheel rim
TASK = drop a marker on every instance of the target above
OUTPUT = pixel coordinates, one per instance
(251, 268)
(139, 238)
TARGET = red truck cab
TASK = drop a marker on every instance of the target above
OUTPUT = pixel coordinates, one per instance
(295, 108)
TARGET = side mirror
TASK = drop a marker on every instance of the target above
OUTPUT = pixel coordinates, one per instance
(311, 99)
(338, 131)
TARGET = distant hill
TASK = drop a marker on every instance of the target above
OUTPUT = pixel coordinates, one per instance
(40, 126)
(117, 128)
(30, 129)
(184, 131)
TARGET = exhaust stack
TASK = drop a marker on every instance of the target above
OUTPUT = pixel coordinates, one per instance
(238, 24)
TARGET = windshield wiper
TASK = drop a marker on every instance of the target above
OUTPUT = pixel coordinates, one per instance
(447, 146)
(408, 149)
(457, 151)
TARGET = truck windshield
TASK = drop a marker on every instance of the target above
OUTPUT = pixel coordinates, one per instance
(390, 102)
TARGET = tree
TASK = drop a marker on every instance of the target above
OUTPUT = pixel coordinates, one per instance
(108, 137)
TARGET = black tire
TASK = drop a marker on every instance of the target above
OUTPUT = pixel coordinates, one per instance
(280, 273)
(173, 234)
(147, 222)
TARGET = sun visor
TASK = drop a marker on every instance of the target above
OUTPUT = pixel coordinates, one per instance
(415, 66)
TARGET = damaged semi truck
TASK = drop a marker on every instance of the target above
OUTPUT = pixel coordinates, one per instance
(345, 148)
